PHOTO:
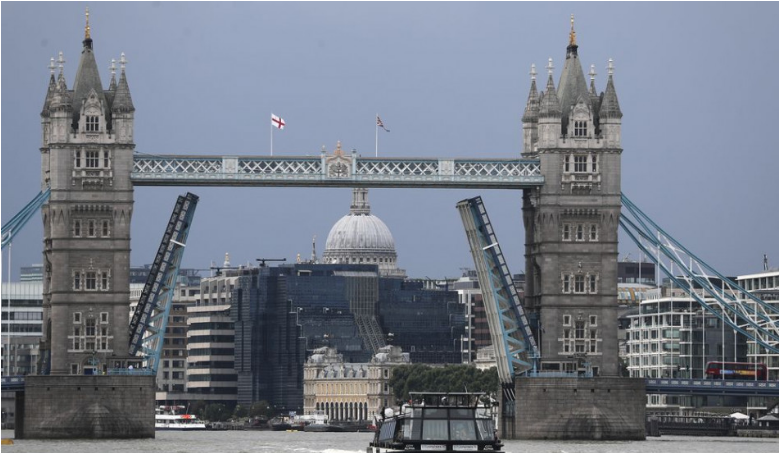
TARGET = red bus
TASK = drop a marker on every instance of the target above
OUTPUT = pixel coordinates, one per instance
(736, 371)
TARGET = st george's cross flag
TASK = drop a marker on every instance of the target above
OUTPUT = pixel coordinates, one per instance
(380, 123)
(278, 122)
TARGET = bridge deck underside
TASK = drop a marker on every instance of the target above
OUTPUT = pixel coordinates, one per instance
(335, 171)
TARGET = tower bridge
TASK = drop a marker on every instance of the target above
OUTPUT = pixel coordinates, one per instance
(568, 174)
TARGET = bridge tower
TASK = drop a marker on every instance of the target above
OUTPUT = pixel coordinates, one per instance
(571, 222)
(86, 159)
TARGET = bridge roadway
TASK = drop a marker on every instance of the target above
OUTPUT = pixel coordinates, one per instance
(684, 386)
(335, 170)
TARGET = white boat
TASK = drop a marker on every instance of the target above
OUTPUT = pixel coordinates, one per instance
(174, 418)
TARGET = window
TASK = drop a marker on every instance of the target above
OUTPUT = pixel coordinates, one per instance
(105, 228)
(580, 164)
(77, 228)
(77, 318)
(566, 283)
(566, 320)
(90, 280)
(106, 159)
(74, 369)
(566, 232)
(580, 232)
(580, 329)
(104, 280)
(594, 160)
(566, 164)
(77, 162)
(593, 321)
(89, 330)
(91, 228)
(580, 128)
(593, 279)
(91, 159)
(92, 123)
(104, 317)
(579, 283)
(77, 280)
(593, 232)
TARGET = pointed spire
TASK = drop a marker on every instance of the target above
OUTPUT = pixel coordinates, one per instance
(113, 70)
(610, 106)
(360, 204)
(87, 77)
(531, 109)
(122, 97)
(313, 257)
(550, 105)
(50, 89)
(61, 97)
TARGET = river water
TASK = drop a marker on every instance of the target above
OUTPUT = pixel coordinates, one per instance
(269, 441)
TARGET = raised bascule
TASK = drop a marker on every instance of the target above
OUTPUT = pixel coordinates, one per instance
(558, 345)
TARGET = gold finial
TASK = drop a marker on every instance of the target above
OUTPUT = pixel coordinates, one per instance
(87, 27)
(339, 150)
(572, 36)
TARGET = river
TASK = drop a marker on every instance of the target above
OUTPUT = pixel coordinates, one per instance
(269, 441)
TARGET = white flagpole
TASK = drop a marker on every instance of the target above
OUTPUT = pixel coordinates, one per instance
(376, 135)
(271, 131)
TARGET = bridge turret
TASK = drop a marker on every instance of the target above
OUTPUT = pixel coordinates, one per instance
(86, 220)
(549, 114)
(122, 108)
(610, 115)
(530, 117)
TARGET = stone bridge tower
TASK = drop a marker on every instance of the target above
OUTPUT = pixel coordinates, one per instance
(86, 159)
(571, 222)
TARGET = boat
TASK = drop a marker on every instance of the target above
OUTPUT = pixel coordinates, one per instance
(176, 418)
(438, 422)
(279, 423)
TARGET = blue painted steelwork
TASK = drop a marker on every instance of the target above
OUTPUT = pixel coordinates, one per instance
(759, 318)
(338, 170)
(512, 336)
(712, 387)
(13, 383)
(149, 321)
(12, 227)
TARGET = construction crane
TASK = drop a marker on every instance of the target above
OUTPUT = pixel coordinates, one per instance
(263, 261)
(149, 321)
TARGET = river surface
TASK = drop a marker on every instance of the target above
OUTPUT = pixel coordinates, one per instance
(269, 441)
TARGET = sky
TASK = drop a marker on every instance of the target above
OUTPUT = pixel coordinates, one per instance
(697, 85)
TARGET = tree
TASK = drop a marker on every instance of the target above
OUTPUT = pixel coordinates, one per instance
(240, 412)
(261, 408)
(452, 378)
(217, 412)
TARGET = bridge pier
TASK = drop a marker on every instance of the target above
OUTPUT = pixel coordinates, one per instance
(88, 406)
(599, 408)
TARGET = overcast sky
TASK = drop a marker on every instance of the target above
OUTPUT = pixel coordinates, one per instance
(697, 84)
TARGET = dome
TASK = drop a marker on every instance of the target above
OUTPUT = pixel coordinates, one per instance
(362, 238)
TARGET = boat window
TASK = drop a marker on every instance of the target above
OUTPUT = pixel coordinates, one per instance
(435, 413)
(486, 428)
(461, 412)
(435, 429)
(412, 429)
(463, 430)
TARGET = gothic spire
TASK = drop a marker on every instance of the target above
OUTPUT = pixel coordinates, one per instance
(87, 76)
(572, 84)
(122, 97)
(550, 104)
(610, 106)
(531, 109)
(50, 89)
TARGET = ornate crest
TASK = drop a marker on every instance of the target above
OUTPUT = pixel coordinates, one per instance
(338, 165)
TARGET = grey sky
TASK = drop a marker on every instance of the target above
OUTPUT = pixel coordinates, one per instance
(697, 84)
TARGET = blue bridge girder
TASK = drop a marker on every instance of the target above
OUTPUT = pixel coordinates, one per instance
(713, 387)
(335, 170)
